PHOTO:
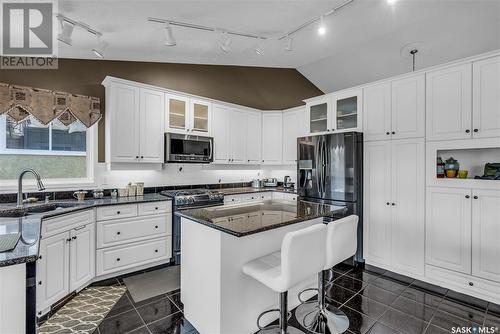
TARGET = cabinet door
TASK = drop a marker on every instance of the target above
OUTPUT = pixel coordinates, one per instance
(254, 137)
(377, 112)
(486, 234)
(200, 112)
(238, 138)
(221, 134)
(448, 229)
(82, 256)
(448, 103)
(408, 108)
(152, 119)
(177, 113)
(346, 111)
(486, 98)
(377, 195)
(272, 137)
(52, 270)
(124, 123)
(319, 115)
(407, 230)
(291, 121)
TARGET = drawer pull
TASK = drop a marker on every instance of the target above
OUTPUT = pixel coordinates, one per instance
(156, 251)
(156, 226)
(79, 228)
(117, 259)
(74, 238)
(117, 212)
(471, 284)
(118, 232)
(475, 197)
(156, 208)
(39, 282)
(467, 196)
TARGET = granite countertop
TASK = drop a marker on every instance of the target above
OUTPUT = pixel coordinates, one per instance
(246, 219)
(27, 248)
(250, 190)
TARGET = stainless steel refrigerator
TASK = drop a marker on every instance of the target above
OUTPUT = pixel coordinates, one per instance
(330, 170)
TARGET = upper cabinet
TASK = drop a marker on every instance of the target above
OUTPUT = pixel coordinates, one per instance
(337, 112)
(272, 137)
(254, 137)
(448, 103)
(188, 115)
(293, 121)
(486, 98)
(395, 110)
(230, 135)
(134, 123)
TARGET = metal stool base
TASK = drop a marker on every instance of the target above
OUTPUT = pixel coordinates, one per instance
(329, 320)
(277, 330)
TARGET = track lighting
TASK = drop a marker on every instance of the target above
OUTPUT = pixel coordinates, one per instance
(100, 48)
(67, 30)
(226, 42)
(289, 44)
(169, 36)
(391, 2)
(321, 28)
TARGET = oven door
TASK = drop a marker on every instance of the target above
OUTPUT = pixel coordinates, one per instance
(188, 148)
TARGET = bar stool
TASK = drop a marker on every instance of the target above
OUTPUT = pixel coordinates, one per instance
(302, 254)
(341, 244)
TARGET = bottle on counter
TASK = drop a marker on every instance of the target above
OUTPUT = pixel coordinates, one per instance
(440, 168)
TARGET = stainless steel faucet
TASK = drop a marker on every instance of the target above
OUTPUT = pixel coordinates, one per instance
(20, 184)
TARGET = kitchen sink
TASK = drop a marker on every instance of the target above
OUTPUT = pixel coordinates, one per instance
(30, 210)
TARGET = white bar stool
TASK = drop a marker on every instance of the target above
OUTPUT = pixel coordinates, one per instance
(303, 254)
(341, 244)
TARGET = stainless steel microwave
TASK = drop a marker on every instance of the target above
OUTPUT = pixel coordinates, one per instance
(188, 148)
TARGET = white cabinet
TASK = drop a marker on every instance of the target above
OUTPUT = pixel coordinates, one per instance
(230, 135)
(486, 234)
(292, 129)
(319, 114)
(408, 107)
(394, 110)
(448, 103)
(448, 228)
(272, 138)
(254, 137)
(134, 123)
(377, 112)
(152, 118)
(394, 204)
(82, 256)
(188, 115)
(52, 270)
(347, 109)
(486, 98)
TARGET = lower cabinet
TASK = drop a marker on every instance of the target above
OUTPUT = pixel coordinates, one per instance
(393, 218)
(66, 262)
(258, 197)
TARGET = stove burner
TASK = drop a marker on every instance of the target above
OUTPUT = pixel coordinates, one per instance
(194, 197)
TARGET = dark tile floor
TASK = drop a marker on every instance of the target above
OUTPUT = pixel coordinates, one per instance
(376, 301)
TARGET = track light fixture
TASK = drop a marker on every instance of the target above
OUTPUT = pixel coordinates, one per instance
(169, 36)
(226, 42)
(391, 2)
(321, 27)
(66, 31)
(67, 26)
(100, 48)
(289, 44)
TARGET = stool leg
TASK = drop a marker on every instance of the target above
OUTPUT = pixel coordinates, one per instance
(320, 317)
(283, 327)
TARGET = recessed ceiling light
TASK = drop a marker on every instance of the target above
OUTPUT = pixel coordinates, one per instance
(169, 36)
(67, 31)
(391, 2)
(100, 48)
(289, 44)
(226, 42)
(321, 28)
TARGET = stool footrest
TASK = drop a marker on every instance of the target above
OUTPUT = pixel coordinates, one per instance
(306, 290)
(264, 313)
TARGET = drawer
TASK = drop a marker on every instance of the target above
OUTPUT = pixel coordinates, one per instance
(233, 199)
(110, 260)
(154, 208)
(467, 284)
(117, 232)
(66, 222)
(255, 197)
(266, 196)
(116, 211)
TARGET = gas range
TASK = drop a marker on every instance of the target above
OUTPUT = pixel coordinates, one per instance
(193, 198)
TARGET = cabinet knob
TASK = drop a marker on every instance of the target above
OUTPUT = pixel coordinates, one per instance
(471, 284)
(68, 240)
(262, 160)
(117, 259)
(74, 237)
(156, 208)
(156, 251)
(387, 133)
(393, 204)
(387, 203)
(476, 130)
(467, 196)
(39, 282)
(393, 132)
(137, 157)
(117, 212)
(40, 257)
(475, 197)
(156, 226)
(118, 232)
(467, 131)
(142, 157)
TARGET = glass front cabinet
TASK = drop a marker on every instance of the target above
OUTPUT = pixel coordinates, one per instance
(188, 116)
(336, 112)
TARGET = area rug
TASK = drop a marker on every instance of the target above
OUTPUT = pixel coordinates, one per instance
(84, 312)
(153, 283)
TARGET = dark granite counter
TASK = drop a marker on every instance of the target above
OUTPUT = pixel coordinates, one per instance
(250, 190)
(27, 248)
(246, 219)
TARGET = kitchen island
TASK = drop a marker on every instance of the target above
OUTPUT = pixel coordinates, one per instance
(218, 241)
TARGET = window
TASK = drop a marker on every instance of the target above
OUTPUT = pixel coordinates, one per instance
(56, 151)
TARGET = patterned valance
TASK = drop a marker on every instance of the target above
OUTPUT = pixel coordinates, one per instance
(20, 102)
